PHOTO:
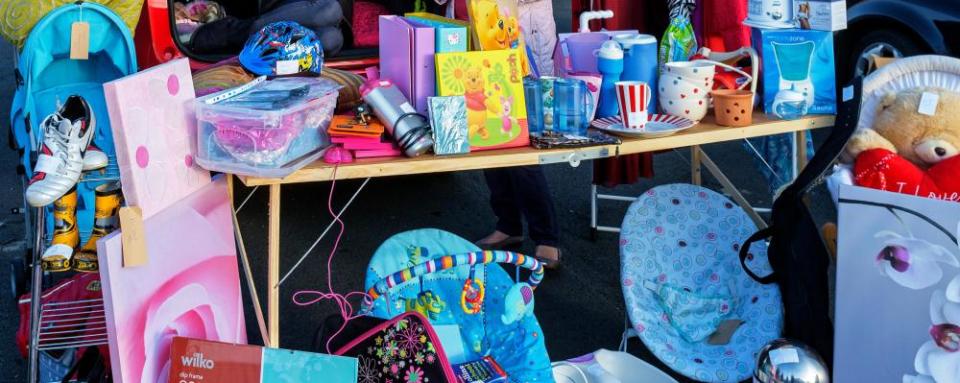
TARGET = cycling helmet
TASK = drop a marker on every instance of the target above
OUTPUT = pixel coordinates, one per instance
(282, 48)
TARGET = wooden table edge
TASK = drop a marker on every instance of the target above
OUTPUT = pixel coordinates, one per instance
(702, 134)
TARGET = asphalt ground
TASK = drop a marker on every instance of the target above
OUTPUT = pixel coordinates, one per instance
(580, 307)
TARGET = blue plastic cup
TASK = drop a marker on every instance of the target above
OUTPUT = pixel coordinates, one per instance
(573, 105)
(534, 99)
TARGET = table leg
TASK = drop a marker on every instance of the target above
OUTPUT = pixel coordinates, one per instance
(245, 262)
(801, 159)
(695, 176)
(273, 267)
(731, 189)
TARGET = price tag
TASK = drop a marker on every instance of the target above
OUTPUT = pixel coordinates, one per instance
(285, 67)
(928, 103)
(132, 236)
(79, 40)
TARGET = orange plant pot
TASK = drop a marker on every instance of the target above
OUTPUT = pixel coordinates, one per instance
(733, 107)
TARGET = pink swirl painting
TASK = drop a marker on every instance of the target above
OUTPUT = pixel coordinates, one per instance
(189, 287)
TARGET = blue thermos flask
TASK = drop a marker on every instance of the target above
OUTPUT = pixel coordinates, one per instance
(610, 65)
(640, 62)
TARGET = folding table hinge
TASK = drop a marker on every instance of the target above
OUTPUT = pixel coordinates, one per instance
(574, 158)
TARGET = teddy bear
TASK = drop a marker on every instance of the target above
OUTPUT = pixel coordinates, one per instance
(476, 98)
(513, 32)
(907, 151)
(490, 25)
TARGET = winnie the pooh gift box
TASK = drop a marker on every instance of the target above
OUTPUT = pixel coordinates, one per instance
(492, 84)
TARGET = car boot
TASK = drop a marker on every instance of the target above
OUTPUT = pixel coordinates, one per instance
(105, 221)
(66, 236)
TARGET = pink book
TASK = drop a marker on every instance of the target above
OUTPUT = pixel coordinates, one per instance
(370, 146)
(377, 153)
(354, 140)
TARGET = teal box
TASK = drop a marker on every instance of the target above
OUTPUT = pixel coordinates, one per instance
(450, 37)
(800, 60)
(281, 366)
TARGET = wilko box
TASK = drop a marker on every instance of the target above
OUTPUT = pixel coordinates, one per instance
(196, 361)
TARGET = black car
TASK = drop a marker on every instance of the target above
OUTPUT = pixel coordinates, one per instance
(898, 28)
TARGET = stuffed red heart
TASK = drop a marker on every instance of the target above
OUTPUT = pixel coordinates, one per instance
(886, 170)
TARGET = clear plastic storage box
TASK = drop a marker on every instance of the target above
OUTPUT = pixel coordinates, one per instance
(269, 129)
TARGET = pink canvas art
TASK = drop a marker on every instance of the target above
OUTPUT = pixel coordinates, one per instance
(189, 287)
(152, 120)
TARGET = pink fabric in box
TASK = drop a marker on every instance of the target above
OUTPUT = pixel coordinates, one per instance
(153, 129)
(189, 287)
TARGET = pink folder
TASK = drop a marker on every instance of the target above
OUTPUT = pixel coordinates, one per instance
(407, 59)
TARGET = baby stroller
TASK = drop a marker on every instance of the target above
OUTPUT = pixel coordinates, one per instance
(452, 282)
(682, 282)
(46, 76)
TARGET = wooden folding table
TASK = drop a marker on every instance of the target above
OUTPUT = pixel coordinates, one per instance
(704, 133)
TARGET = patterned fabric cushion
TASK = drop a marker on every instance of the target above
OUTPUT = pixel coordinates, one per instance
(404, 349)
(17, 17)
(689, 237)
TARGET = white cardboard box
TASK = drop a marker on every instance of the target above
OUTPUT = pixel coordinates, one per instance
(822, 15)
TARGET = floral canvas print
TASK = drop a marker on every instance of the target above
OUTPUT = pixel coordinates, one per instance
(189, 287)
(898, 288)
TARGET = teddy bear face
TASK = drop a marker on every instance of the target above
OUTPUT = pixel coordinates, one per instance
(473, 80)
(922, 139)
(513, 32)
(491, 27)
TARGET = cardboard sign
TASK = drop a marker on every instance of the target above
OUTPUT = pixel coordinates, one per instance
(80, 40)
(133, 236)
(194, 360)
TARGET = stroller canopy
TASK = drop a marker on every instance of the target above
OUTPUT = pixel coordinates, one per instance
(518, 347)
(681, 278)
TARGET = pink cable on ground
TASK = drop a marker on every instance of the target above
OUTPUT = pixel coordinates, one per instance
(342, 300)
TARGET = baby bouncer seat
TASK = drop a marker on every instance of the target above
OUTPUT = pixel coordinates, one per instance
(427, 271)
(681, 278)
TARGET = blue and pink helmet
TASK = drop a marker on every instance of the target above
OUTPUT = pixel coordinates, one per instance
(282, 48)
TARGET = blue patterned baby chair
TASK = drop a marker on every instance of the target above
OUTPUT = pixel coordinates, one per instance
(426, 270)
(46, 76)
(682, 278)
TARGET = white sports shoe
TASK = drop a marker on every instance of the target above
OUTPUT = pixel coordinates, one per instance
(66, 135)
(94, 158)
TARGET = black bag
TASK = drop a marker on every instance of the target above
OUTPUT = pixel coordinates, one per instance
(797, 253)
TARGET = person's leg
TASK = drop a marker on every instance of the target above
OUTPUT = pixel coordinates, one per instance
(331, 38)
(504, 205)
(536, 203)
(313, 14)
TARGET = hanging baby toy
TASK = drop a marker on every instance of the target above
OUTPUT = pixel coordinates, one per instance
(471, 298)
